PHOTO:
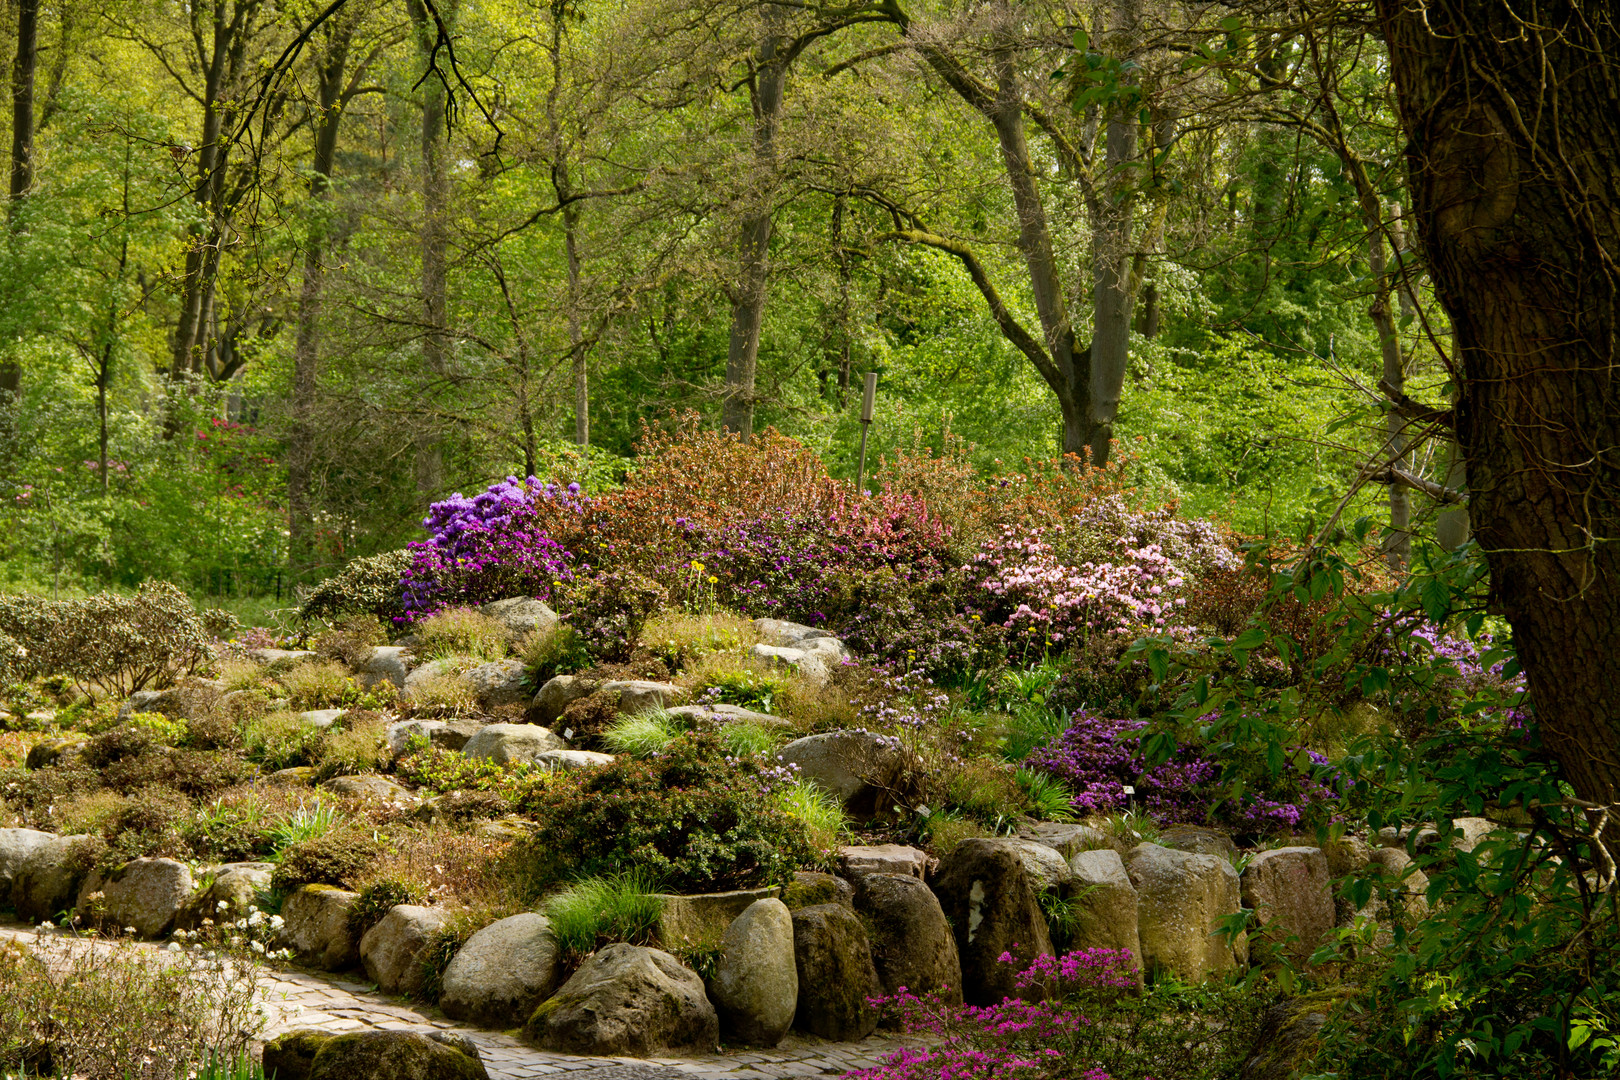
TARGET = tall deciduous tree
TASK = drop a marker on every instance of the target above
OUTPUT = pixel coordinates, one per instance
(1514, 160)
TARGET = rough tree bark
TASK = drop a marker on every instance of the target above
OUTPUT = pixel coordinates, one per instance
(1514, 159)
(22, 149)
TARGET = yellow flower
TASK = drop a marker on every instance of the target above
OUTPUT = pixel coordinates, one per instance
(697, 566)
(714, 581)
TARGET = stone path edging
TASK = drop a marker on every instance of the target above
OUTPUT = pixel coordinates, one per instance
(300, 999)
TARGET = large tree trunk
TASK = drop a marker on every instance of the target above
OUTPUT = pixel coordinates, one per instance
(1514, 157)
(754, 240)
(306, 347)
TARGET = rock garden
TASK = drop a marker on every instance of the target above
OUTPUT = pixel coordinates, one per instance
(735, 753)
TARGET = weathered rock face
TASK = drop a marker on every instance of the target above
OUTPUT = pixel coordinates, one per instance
(500, 682)
(392, 950)
(444, 734)
(813, 653)
(396, 1055)
(836, 973)
(755, 988)
(1287, 1037)
(236, 885)
(387, 663)
(559, 692)
(1067, 839)
(15, 847)
(859, 767)
(321, 719)
(433, 669)
(167, 702)
(627, 1000)
(316, 927)
(722, 713)
(502, 973)
(1199, 840)
(912, 944)
(1181, 898)
(144, 895)
(1397, 879)
(47, 883)
(640, 695)
(1105, 904)
(370, 788)
(522, 616)
(986, 894)
(507, 744)
(810, 888)
(1291, 893)
(288, 1056)
(59, 750)
(701, 919)
(791, 634)
(570, 760)
(882, 859)
(268, 657)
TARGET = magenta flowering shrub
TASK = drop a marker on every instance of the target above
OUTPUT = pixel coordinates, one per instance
(1097, 757)
(1092, 1026)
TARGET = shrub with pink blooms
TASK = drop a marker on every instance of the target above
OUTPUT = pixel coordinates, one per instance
(1093, 1024)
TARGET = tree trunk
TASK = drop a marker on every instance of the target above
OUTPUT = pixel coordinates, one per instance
(435, 236)
(301, 554)
(754, 241)
(1514, 159)
(22, 150)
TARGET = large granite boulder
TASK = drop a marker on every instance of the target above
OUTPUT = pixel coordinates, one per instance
(1104, 903)
(1182, 897)
(627, 1001)
(1396, 878)
(370, 788)
(508, 744)
(47, 883)
(236, 885)
(993, 909)
(862, 768)
(641, 695)
(423, 674)
(391, 951)
(755, 988)
(1068, 838)
(569, 760)
(858, 861)
(499, 682)
(522, 616)
(1199, 840)
(912, 944)
(836, 974)
(1290, 891)
(57, 750)
(385, 664)
(397, 1055)
(559, 692)
(812, 653)
(320, 719)
(315, 926)
(15, 847)
(700, 919)
(143, 895)
(502, 973)
(721, 713)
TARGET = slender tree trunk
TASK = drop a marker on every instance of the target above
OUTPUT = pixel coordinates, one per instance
(435, 238)
(1514, 160)
(754, 242)
(576, 332)
(301, 554)
(22, 151)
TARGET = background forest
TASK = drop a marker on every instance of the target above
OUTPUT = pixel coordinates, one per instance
(279, 276)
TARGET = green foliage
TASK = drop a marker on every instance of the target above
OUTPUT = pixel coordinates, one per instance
(608, 610)
(377, 899)
(747, 737)
(1049, 798)
(745, 686)
(559, 652)
(460, 632)
(688, 817)
(304, 824)
(599, 911)
(366, 586)
(118, 643)
(817, 809)
(642, 735)
(339, 857)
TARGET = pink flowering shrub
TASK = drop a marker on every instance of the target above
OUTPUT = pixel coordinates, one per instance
(1093, 1025)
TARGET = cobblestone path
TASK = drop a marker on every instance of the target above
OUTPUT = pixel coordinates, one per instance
(298, 999)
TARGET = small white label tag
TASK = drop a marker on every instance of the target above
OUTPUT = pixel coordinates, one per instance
(1129, 790)
(923, 811)
(568, 733)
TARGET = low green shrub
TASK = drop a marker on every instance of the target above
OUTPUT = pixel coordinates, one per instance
(559, 651)
(376, 899)
(691, 818)
(599, 911)
(817, 809)
(608, 609)
(368, 586)
(117, 643)
(351, 639)
(746, 737)
(339, 858)
(460, 632)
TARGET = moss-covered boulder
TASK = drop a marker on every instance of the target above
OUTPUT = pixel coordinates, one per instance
(630, 1001)
(836, 973)
(48, 881)
(316, 927)
(912, 945)
(993, 909)
(397, 1055)
(289, 1056)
